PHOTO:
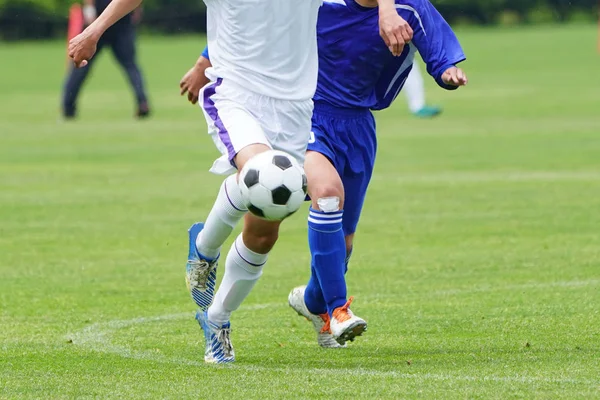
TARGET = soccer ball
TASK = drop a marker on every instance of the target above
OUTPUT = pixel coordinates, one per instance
(273, 185)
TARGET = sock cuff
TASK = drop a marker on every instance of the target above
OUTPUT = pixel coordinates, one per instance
(253, 259)
(325, 222)
(233, 194)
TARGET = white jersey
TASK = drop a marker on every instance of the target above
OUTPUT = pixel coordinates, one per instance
(266, 46)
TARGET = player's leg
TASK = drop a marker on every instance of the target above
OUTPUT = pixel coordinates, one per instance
(356, 180)
(326, 289)
(238, 136)
(74, 83)
(241, 137)
(243, 267)
(414, 89)
(325, 235)
(124, 49)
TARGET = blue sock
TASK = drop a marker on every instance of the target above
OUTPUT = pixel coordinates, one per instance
(313, 295)
(328, 251)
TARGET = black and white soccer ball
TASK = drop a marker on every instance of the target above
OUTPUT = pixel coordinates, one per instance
(273, 185)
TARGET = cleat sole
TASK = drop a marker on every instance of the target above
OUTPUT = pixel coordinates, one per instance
(352, 332)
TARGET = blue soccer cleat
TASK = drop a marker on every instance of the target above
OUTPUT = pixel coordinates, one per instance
(218, 343)
(201, 273)
(428, 112)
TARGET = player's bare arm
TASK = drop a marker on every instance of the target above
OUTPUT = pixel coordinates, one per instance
(394, 30)
(195, 79)
(83, 46)
(454, 76)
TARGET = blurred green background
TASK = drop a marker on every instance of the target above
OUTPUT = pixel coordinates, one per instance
(43, 19)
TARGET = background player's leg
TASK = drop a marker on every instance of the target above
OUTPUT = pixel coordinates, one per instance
(414, 89)
(74, 83)
(325, 235)
(123, 46)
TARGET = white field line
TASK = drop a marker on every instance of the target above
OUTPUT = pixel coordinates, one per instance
(97, 337)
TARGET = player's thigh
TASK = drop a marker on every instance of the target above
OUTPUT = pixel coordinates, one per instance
(324, 182)
(260, 235)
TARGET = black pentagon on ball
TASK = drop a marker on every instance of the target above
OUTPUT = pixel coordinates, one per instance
(281, 195)
(256, 211)
(282, 162)
(304, 184)
(251, 178)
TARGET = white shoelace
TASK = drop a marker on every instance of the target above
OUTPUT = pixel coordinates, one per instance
(224, 339)
(199, 273)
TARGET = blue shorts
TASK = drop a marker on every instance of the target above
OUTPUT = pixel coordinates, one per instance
(347, 138)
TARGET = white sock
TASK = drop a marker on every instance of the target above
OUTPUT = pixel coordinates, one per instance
(224, 216)
(243, 268)
(414, 89)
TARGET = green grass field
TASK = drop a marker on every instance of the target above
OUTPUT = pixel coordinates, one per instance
(477, 262)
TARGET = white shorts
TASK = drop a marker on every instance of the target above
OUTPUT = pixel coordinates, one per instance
(237, 118)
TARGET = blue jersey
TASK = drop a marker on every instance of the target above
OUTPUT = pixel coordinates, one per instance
(356, 68)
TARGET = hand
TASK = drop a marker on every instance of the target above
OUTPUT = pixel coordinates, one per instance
(194, 80)
(455, 77)
(394, 30)
(83, 47)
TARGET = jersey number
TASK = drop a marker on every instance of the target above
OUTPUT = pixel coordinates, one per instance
(312, 138)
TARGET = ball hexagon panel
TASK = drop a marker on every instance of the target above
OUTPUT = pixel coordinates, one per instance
(295, 201)
(271, 176)
(292, 179)
(275, 213)
(259, 196)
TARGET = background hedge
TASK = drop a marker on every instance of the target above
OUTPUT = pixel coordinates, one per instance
(42, 19)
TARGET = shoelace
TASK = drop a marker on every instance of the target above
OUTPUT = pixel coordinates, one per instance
(343, 313)
(327, 327)
(199, 272)
(224, 339)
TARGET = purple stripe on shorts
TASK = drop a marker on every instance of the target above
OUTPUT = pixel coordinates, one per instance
(213, 113)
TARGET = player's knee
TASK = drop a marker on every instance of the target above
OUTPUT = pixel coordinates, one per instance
(328, 199)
